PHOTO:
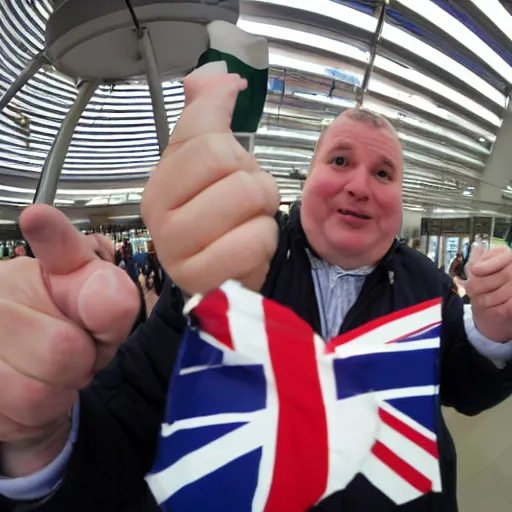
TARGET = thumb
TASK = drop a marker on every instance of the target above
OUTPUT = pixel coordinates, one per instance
(58, 246)
(94, 294)
(210, 99)
(477, 252)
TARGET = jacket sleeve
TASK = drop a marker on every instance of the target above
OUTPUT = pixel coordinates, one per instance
(470, 382)
(120, 416)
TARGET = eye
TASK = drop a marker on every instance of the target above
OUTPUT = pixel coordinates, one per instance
(340, 161)
(383, 175)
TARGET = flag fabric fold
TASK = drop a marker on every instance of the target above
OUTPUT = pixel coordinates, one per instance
(264, 416)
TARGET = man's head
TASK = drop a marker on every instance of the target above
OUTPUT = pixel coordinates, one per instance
(352, 202)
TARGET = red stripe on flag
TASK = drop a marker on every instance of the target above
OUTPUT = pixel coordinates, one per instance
(379, 322)
(212, 313)
(302, 455)
(413, 477)
(410, 433)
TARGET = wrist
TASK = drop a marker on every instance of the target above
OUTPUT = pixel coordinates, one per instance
(24, 458)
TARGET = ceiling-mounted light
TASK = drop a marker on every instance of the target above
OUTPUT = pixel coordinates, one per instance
(326, 100)
(497, 13)
(401, 38)
(304, 38)
(453, 27)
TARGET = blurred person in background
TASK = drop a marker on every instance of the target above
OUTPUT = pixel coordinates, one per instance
(19, 251)
(457, 267)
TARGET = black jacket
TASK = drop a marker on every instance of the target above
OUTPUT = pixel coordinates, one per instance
(121, 412)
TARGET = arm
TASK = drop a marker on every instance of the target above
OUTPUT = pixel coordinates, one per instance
(470, 381)
(120, 416)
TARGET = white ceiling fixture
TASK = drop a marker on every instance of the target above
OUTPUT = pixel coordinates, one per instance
(495, 11)
(304, 38)
(265, 150)
(397, 36)
(327, 100)
(383, 63)
(434, 56)
(440, 131)
(454, 28)
(439, 88)
(386, 88)
(330, 9)
(289, 134)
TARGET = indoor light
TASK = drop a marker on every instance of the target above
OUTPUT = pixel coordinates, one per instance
(331, 10)
(304, 38)
(453, 27)
(495, 11)
(327, 100)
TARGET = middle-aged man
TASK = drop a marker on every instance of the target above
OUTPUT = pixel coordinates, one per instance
(211, 212)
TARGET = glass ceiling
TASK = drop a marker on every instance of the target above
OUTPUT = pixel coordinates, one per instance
(446, 96)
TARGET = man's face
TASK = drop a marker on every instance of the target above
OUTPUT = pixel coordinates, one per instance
(352, 202)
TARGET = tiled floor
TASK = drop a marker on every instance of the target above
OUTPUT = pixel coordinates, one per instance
(484, 448)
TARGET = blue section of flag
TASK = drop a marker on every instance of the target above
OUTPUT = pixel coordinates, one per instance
(198, 353)
(182, 442)
(419, 408)
(224, 389)
(384, 371)
(230, 488)
(434, 332)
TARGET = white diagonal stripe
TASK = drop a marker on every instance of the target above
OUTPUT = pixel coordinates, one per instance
(408, 421)
(388, 482)
(354, 349)
(399, 328)
(214, 419)
(409, 451)
(205, 460)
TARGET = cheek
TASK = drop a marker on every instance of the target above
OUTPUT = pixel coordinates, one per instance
(324, 185)
(389, 203)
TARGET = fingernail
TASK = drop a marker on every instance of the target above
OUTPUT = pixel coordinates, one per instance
(104, 283)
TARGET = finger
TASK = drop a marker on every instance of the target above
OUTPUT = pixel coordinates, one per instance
(480, 285)
(29, 402)
(102, 247)
(493, 299)
(253, 242)
(45, 349)
(210, 101)
(222, 207)
(498, 262)
(184, 173)
(477, 252)
(101, 298)
(57, 244)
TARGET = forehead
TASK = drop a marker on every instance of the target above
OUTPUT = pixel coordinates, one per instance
(359, 134)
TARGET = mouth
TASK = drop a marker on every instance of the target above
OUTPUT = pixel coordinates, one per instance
(352, 213)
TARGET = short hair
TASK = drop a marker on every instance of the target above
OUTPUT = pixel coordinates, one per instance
(367, 116)
(362, 115)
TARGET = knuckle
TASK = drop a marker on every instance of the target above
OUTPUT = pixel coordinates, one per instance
(63, 355)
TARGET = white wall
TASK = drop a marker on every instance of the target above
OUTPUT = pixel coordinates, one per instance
(411, 222)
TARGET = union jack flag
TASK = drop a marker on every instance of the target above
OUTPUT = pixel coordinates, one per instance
(263, 415)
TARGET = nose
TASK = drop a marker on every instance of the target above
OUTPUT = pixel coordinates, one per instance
(357, 186)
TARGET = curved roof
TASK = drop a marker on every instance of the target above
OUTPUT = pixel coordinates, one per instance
(442, 72)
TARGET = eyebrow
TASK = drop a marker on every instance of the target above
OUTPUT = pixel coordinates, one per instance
(387, 161)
